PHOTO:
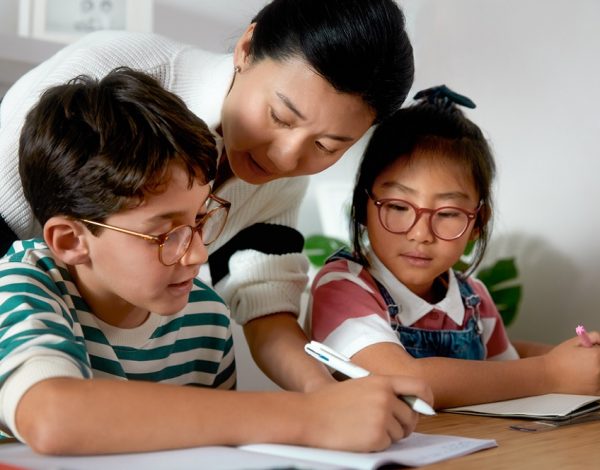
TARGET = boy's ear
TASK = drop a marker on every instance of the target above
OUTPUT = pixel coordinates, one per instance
(67, 238)
(241, 53)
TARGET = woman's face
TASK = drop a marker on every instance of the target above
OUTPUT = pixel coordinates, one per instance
(282, 119)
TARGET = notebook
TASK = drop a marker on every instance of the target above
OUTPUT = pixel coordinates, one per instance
(414, 451)
(552, 406)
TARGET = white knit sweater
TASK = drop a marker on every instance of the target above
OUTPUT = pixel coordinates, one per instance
(258, 283)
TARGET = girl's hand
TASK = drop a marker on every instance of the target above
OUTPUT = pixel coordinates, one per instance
(362, 414)
(574, 368)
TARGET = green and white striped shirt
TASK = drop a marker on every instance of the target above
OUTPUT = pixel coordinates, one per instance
(47, 330)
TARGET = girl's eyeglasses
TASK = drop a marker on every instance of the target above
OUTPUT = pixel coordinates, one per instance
(446, 223)
(175, 243)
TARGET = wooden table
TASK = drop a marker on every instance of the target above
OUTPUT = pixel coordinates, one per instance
(568, 447)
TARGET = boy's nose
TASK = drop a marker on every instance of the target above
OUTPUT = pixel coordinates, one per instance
(197, 252)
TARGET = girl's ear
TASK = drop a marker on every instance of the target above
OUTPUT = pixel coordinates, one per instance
(67, 238)
(483, 218)
(241, 53)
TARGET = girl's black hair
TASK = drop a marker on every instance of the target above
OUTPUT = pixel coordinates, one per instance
(359, 46)
(437, 126)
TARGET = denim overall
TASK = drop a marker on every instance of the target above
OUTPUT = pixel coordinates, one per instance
(458, 344)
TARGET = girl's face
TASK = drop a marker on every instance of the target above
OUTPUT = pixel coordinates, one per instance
(418, 257)
(124, 279)
(282, 119)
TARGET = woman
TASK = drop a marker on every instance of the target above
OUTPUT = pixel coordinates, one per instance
(306, 80)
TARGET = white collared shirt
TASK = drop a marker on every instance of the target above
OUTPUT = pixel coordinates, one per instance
(413, 308)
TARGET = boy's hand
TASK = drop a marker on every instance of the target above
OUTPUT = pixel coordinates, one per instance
(362, 414)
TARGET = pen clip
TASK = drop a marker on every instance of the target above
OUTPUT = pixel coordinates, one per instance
(324, 351)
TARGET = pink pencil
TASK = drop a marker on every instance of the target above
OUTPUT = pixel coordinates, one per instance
(583, 336)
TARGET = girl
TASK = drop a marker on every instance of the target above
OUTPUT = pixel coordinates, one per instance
(306, 80)
(396, 306)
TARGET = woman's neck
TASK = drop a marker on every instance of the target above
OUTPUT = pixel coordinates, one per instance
(224, 172)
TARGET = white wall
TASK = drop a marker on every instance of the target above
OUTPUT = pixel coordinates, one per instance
(533, 68)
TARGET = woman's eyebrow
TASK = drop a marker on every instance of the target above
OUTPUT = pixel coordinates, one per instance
(291, 106)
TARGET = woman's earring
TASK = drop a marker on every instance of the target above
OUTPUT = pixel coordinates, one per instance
(237, 69)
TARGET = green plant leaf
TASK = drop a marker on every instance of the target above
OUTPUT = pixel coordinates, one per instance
(319, 247)
(502, 270)
(500, 280)
(507, 301)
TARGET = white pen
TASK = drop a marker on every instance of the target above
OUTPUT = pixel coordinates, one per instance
(342, 364)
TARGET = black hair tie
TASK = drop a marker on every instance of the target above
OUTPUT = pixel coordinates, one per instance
(444, 97)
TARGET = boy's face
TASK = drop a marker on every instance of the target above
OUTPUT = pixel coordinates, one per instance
(124, 279)
(431, 181)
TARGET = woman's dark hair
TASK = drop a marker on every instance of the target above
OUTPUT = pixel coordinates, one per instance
(359, 46)
(435, 126)
(90, 148)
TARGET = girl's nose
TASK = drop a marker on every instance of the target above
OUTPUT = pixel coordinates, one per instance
(421, 230)
(197, 252)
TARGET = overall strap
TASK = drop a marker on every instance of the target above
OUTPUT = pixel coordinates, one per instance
(341, 253)
(470, 299)
(392, 306)
(468, 295)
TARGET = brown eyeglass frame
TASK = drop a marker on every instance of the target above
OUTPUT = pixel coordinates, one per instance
(471, 215)
(161, 239)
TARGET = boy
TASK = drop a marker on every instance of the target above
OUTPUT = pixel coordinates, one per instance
(103, 320)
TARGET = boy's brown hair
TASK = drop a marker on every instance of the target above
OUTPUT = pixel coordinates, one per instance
(91, 148)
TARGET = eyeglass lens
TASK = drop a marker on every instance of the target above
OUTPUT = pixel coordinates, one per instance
(445, 222)
(179, 239)
(176, 244)
(213, 224)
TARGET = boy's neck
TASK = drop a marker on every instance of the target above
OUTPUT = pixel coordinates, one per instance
(108, 308)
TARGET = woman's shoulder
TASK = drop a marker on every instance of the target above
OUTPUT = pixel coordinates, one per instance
(95, 55)
(121, 43)
(99, 52)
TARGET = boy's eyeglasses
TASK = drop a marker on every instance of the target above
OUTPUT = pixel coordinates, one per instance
(175, 243)
(446, 223)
